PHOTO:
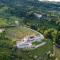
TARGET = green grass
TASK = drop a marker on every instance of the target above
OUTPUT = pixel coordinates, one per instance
(57, 52)
(3, 22)
(36, 43)
(18, 33)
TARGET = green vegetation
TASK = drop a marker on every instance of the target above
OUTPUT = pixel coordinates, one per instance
(18, 33)
(36, 43)
(23, 12)
(32, 55)
(8, 50)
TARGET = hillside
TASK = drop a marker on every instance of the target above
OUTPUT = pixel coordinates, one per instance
(29, 17)
(9, 50)
(22, 8)
(18, 33)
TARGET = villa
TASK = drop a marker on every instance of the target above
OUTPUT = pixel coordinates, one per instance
(38, 15)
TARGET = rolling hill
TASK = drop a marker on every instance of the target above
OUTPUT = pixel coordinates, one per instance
(19, 33)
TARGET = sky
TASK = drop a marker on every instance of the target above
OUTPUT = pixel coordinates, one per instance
(51, 0)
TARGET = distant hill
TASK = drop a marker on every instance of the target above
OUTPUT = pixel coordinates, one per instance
(25, 8)
(34, 3)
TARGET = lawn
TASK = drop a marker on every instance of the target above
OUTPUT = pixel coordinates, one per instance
(57, 52)
(36, 43)
(18, 33)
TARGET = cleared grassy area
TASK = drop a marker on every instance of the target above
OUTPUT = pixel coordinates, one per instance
(18, 33)
(57, 52)
(3, 22)
(9, 51)
(36, 43)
